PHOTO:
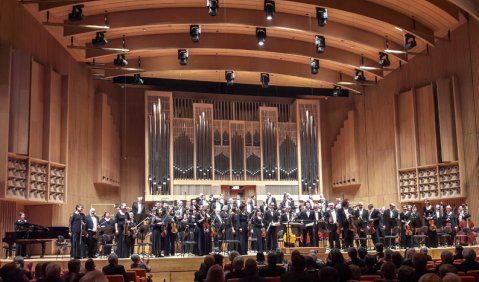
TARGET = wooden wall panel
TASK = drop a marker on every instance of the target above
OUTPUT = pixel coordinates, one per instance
(447, 121)
(406, 130)
(426, 126)
(8, 216)
(5, 72)
(37, 107)
(20, 103)
(55, 117)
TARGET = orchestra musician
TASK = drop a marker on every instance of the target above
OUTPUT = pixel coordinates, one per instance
(270, 199)
(374, 223)
(390, 218)
(406, 227)
(201, 218)
(258, 230)
(331, 217)
(362, 216)
(139, 209)
(242, 230)
(318, 217)
(345, 222)
(21, 225)
(133, 232)
(108, 225)
(271, 218)
(429, 214)
(76, 228)
(122, 219)
(157, 226)
(450, 221)
(92, 223)
(171, 233)
(307, 218)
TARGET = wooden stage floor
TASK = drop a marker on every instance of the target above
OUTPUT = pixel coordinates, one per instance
(182, 268)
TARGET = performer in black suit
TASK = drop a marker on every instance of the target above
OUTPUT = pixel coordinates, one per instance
(270, 199)
(122, 219)
(344, 217)
(375, 218)
(331, 217)
(390, 219)
(429, 214)
(451, 222)
(271, 217)
(307, 217)
(76, 228)
(139, 210)
(21, 225)
(92, 223)
(362, 216)
(318, 217)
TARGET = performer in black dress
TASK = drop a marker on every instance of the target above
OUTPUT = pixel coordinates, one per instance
(192, 232)
(157, 226)
(171, 233)
(258, 229)
(76, 228)
(122, 219)
(133, 232)
(429, 214)
(406, 227)
(21, 225)
(107, 225)
(243, 230)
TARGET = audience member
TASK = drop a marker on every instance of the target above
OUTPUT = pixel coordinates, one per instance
(310, 269)
(353, 258)
(336, 260)
(406, 274)
(424, 251)
(27, 269)
(397, 259)
(408, 255)
(281, 259)
(215, 274)
(419, 262)
(260, 259)
(379, 250)
(39, 273)
(237, 271)
(369, 263)
(272, 269)
(388, 271)
(451, 277)
(53, 273)
(94, 276)
(113, 268)
(362, 253)
(218, 259)
(208, 261)
(90, 265)
(469, 262)
(251, 272)
(430, 277)
(11, 273)
(445, 269)
(328, 274)
(446, 258)
(458, 252)
(73, 274)
(138, 263)
(296, 274)
(231, 257)
(355, 272)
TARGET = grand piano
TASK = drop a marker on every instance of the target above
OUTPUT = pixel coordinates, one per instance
(34, 234)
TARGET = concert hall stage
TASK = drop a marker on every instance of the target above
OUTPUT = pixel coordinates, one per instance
(182, 268)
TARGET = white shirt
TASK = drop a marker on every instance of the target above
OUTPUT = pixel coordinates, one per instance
(95, 223)
(333, 215)
(218, 207)
(139, 207)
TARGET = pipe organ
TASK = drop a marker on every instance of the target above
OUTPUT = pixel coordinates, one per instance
(193, 141)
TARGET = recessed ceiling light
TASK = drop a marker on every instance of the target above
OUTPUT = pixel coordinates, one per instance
(398, 28)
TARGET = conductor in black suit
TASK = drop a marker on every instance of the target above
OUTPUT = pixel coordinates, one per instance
(139, 210)
(375, 218)
(344, 215)
(362, 216)
(307, 217)
(331, 218)
(391, 217)
(270, 199)
(271, 216)
(92, 223)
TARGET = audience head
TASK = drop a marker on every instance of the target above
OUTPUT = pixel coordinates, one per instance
(209, 261)
(113, 258)
(430, 277)
(272, 259)
(90, 265)
(329, 274)
(388, 254)
(335, 256)
(11, 272)
(446, 268)
(309, 262)
(74, 266)
(459, 249)
(238, 263)
(410, 252)
(94, 276)
(379, 247)
(469, 254)
(260, 258)
(362, 252)
(250, 267)
(419, 261)
(135, 258)
(39, 270)
(447, 257)
(397, 259)
(355, 272)
(280, 255)
(352, 253)
(370, 261)
(215, 274)
(451, 277)
(295, 253)
(388, 270)
(53, 271)
(423, 250)
(299, 263)
(406, 274)
(218, 259)
(232, 255)
(19, 261)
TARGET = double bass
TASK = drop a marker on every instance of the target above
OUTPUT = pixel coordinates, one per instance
(466, 225)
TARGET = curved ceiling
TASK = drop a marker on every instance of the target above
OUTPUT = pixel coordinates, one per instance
(357, 30)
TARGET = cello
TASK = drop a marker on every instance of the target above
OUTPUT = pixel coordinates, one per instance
(466, 225)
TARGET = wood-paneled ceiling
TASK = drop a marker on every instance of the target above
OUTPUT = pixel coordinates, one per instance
(153, 31)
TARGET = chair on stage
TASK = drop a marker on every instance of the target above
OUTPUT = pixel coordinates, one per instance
(62, 246)
(189, 245)
(280, 237)
(419, 239)
(391, 239)
(252, 244)
(445, 236)
(104, 239)
(115, 278)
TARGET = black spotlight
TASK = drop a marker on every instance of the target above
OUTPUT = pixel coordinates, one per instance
(384, 59)
(99, 39)
(359, 76)
(183, 56)
(195, 33)
(264, 78)
(314, 66)
(213, 6)
(322, 16)
(261, 35)
(76, 14)
(409, 41)
(230, 77)
(120, 61)
(137, 80)
(337, 90)
(320, 43)
(269, 9)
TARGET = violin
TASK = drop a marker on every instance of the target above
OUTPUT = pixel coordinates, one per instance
(432, 225)
(407, 230)
(206, 225)
(174, 228)
(263, 233)
(372, 230)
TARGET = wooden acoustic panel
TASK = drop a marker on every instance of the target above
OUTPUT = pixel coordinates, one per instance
(447, 120)
(406, 130)
(55, 117)
(37, 111)
(426, 126)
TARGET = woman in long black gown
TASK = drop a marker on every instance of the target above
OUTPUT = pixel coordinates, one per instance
(258, 224)
(77, 225)
(122, 242)
(156, 225)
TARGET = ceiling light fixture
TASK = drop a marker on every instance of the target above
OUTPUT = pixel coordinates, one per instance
(264, 78)
(213, 6)
(320, 43)
(137, 80)
(76, 13)
(409, 41)
(120, 61)
(322, 16)
(269, 9)
(195, 32)
(230, 77)
(359, 76)
(314, 64)
(99, 39)
(337, 90)
(261, 35)
(183, 56)
(384, 59)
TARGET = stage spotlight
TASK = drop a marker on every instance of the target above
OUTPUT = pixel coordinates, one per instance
(314, 66)
(230, 77)
(269, 9)
(409, 41)
(120, 61)
(137, 80)
(384, 59)
(359, 76)
(195, 33)
(76, 14)
(337, 90)
(183, 56)
(99, 39)
(261, 35)
(322, 16)
(320, 43)
(213, 6)
(264, 78)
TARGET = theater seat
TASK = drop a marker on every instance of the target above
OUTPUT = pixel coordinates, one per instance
(273, 279)
(474, 273)
(233, 280)
(369, 277)
(132, 276)
(468, 278)
(115, 278)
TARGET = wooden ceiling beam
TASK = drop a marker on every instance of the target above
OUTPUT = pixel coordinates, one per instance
(447, 7)
(470, 6)
(237, 63)
(284, 22)
(286, 48)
